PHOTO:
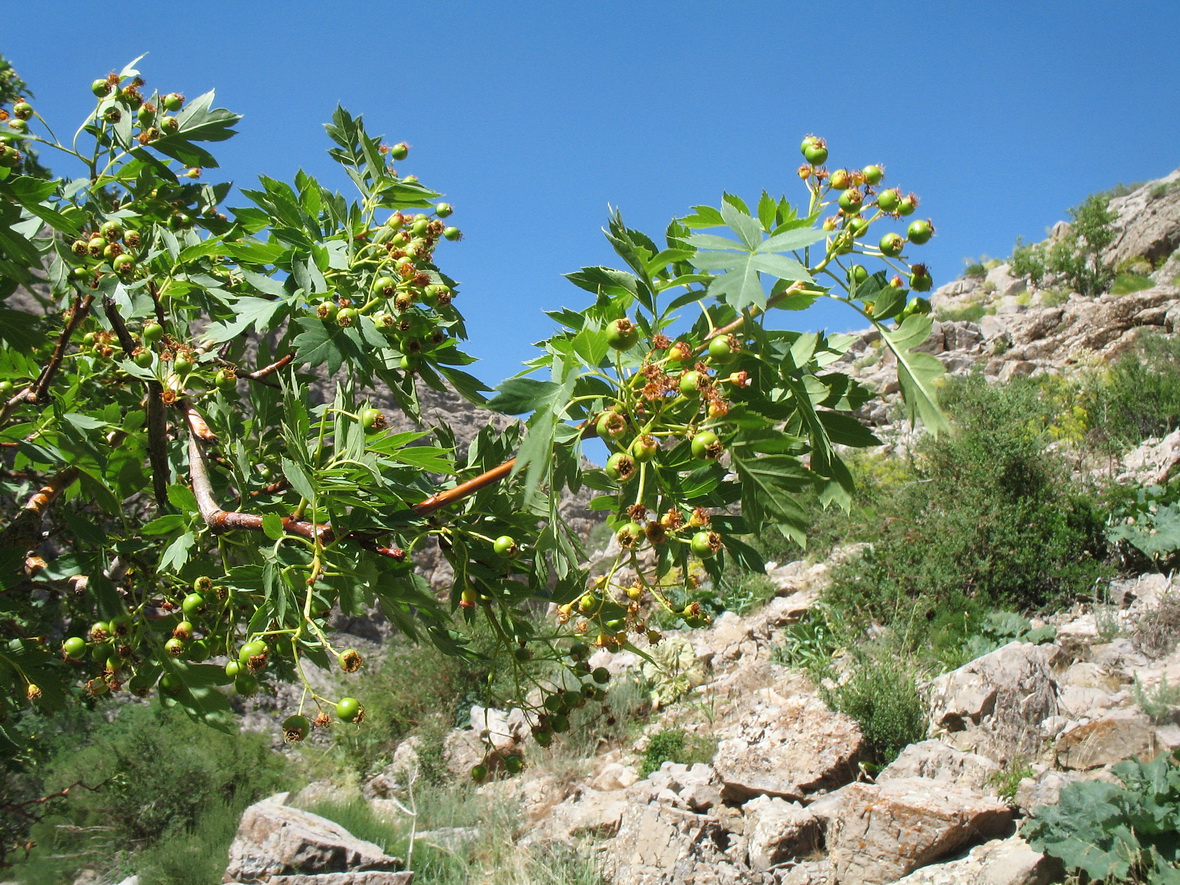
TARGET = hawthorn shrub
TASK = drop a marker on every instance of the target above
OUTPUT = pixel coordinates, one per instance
(193, 476)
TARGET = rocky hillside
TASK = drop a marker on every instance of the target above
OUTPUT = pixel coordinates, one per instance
(1025, 331)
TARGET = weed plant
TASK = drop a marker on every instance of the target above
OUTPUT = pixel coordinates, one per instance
(1138, 397)
(881, 694)
(676, 745)
(162, 796)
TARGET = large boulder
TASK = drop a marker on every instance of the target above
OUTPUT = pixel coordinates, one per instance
(274, 840)
(1148, 225)
(995, 704)
(999, 862)
(884, 831)
(936, 761)
(658, 844)
(778, 831)
(1106, 740)
(787, 747)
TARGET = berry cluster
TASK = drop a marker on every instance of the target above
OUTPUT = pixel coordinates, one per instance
(857, 195)
(407, 300)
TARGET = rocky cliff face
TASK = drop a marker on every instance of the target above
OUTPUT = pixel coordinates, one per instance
(1024, 331)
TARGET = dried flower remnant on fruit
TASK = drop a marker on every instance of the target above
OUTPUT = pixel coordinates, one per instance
(350, 661)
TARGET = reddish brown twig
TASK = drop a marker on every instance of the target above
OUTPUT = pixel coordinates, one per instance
(449, 496)
(268, 370)
(77, 313)
(196, 422)
(24, 532)
(39, 389)
(220, 520)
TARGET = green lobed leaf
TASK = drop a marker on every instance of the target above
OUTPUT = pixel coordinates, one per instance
(917, 373)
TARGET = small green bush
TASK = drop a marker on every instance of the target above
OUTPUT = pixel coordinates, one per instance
(1145, 527)
(396, 704)
(1076, 257)
(153, 780)
(676, 745)
(990, 520)
(968, 313)
(1125, 283)
(1139, 397)
(882, 696)
(809, 644)
(1160, 703)
(1007, 780)
(1111, 833)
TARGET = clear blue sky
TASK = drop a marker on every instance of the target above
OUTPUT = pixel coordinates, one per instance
(533, 117)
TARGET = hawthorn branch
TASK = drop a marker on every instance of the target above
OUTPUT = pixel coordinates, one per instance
(259, 374)
(449, 496)
(76, 315)
(39, 389)
(220, 520)
(24, 532)
(157, 425)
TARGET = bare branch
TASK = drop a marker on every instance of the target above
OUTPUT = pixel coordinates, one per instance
(449, 496)
(259, 374)
(39, 389)
(223, 520)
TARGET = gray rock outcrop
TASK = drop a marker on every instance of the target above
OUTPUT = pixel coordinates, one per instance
(276, 840)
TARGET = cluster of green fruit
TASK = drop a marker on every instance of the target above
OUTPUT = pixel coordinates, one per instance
(18, 125)
(669, 418)
(109, 248)
(179, 368)
(407, 300)
(550, 716)
(118, 100)
(120, 650)
(856, 195)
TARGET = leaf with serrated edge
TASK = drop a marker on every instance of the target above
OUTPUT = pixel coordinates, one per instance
(917, 373)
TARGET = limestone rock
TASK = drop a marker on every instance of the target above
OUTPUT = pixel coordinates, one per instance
(661, 845)
(365, 877)
(936, 761)
(278, 840)
(1001, 282)
(887, 830)
(1044, 789)
(1106, 740)
(788, 747)
(995, 704)
(1149, 222)
(590, 812)
(999, 862)
(778, 831)
(614, 776)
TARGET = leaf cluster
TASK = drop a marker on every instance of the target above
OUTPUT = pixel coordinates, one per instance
(1116, 832)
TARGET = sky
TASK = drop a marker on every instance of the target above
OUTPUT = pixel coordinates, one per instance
(535, 118)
